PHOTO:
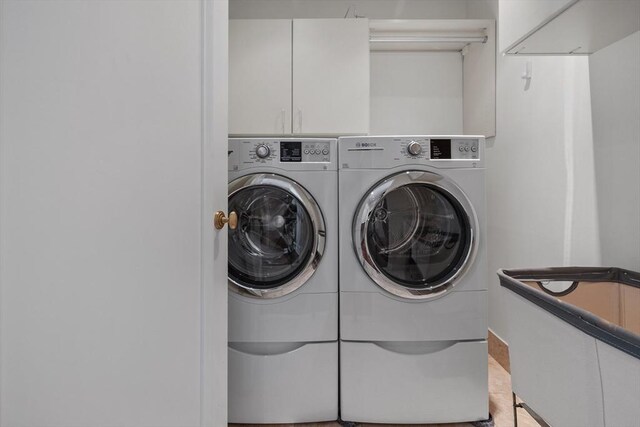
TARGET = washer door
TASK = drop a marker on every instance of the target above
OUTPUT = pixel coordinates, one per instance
(415, 234)
(280, 237)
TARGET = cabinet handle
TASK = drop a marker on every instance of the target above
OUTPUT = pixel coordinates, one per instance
(282, 112)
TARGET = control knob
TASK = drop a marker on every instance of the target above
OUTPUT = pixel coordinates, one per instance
(263, 151)
(414, 148)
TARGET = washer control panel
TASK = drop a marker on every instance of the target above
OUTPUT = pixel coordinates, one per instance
(289, 153)
(261, 151)
(315, 151)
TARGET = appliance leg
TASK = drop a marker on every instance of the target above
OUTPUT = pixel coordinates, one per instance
(484, 423)
(515, 410)
(530, 411)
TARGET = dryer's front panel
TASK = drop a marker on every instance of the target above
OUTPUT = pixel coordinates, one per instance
(414, 234)
(279, 238)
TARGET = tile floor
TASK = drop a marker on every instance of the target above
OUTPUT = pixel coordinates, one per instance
(499, 405)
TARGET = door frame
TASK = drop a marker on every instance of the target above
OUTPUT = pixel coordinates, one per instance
(215, 60)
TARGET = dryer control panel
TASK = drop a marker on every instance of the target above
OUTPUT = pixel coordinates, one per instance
(439, 151)
(452, 149)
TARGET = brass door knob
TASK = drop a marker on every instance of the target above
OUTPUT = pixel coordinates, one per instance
(220, 219)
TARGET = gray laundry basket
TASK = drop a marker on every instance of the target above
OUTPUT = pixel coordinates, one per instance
(574, 344)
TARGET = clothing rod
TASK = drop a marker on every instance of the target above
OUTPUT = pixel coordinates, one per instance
(426, 39)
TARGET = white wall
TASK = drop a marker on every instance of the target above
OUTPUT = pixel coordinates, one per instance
(541, 186)
(400, 9)
(615, 92)
(540, 173)
(415, 93)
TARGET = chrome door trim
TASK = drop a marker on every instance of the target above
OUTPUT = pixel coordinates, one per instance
(317, 222)
(361, 221)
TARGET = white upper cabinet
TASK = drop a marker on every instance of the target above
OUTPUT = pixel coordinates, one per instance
(260, 76)
(306, 76)
(562, 27)
(330, 76)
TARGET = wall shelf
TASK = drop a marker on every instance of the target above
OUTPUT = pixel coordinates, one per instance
(565, 27)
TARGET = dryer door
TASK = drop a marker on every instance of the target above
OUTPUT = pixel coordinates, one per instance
(415, 234)
(280, 236)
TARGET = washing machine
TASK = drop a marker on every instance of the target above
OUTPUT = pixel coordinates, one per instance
(283, 281)
(413, 279)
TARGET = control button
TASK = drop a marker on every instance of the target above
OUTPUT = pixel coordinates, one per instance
(461, 148)
(466, 148)
(306, 151)
(263, 151)
(474, 148)
(414, 148)
(325, 151)
(318, 151)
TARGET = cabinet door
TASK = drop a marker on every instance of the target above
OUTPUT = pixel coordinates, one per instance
(259, 76)
(330, 76)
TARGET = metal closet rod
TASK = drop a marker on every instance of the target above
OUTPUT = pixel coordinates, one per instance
(427, 39)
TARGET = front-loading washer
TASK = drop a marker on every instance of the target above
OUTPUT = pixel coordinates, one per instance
(283, 281)
(413, 279)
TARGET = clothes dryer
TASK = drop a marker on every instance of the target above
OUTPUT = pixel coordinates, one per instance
(283, 281)
(413, 279)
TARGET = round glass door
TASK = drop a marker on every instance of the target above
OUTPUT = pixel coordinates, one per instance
(280, 234)
(415, 234)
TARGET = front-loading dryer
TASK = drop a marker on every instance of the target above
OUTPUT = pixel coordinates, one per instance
(283, 281)
(413, 279)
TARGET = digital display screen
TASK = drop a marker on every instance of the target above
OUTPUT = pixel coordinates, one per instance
(440, 149)
(290, 151)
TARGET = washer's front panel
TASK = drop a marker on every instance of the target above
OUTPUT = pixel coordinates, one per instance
(291, 385)
(300, 317)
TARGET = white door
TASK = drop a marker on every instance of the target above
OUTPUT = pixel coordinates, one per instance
(260, 76)
(113, 291)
